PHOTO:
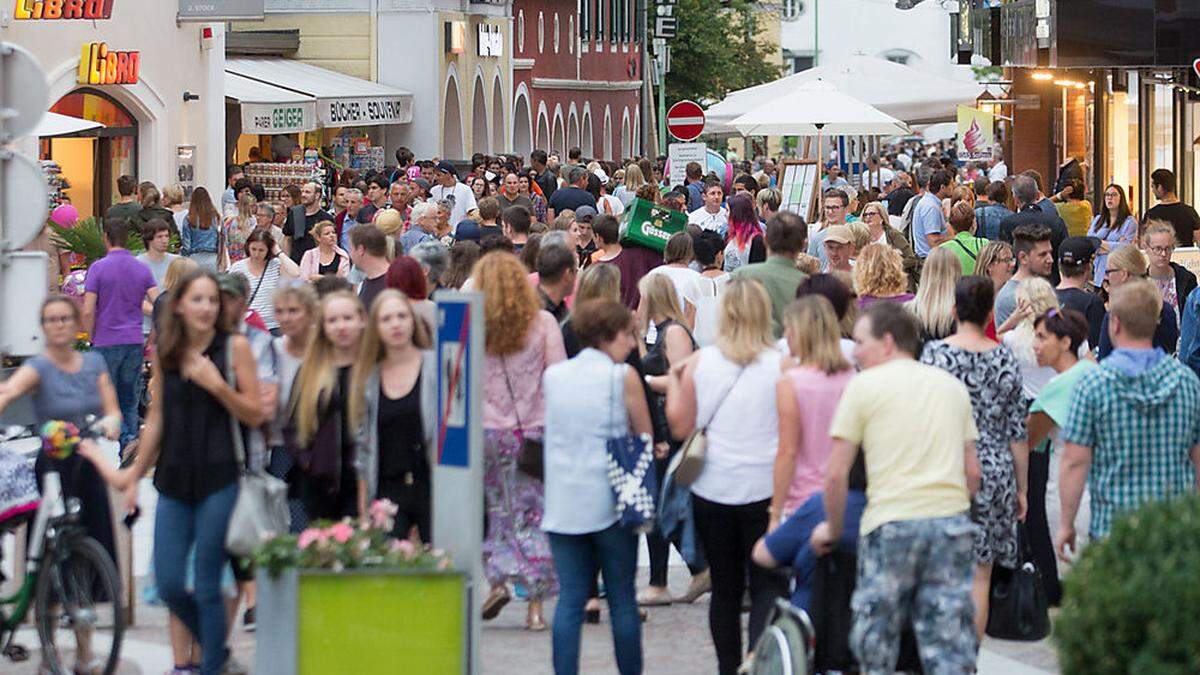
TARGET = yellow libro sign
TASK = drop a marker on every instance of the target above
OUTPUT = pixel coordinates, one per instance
(99, 65)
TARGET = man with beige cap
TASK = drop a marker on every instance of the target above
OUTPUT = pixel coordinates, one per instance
(839, 249)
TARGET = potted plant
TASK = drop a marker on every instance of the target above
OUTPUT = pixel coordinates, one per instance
(1130, 602)
(347, 597)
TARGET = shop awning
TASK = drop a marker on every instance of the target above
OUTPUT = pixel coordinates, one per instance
(341, 100)
(267, 109)
(54, 124)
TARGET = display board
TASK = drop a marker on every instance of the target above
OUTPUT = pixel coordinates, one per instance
(798, 184)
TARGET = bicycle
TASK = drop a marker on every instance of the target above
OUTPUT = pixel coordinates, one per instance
(70, 581)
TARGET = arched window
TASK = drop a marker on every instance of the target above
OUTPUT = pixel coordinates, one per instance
(791, 10)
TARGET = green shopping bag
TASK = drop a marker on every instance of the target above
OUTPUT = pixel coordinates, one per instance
(650, 225)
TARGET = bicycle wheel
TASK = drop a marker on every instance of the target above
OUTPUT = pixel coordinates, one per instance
(80, 616)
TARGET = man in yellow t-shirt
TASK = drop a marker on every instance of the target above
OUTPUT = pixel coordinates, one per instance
(917, 433)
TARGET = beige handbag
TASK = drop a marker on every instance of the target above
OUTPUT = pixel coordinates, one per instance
(688, 463)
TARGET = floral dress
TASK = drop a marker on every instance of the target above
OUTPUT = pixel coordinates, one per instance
(993, 380)
(515, 549)
(235, 240)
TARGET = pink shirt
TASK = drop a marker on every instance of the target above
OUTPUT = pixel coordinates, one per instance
(543, 347)
(817, 396)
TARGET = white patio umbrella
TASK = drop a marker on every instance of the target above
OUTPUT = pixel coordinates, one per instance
(54, 124)
(816, 108)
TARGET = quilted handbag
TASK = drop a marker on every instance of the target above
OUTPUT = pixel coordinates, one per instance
(18, 487)
(631, 476)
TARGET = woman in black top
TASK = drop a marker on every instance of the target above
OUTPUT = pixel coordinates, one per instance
(320, 435)
(196, 469)
(393, 406)
(670, 342)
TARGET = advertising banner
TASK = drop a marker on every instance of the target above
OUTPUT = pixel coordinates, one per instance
(976, 134)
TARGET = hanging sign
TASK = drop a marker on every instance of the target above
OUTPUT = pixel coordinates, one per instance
(52, 10)
(221, 10)
(976, 134)
(99, 65)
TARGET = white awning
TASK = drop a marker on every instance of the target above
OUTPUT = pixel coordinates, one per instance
(267, 109)
(341, 100)
(54, 124)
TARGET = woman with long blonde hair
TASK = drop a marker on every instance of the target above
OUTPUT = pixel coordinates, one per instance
(879, 275)
(393, 407)
(806, 398)
(934, 304)
(669, 343)
(1035, 297)
(237, 228)
(628, 189)
(522, 341)
(729, 390)
(595, 282)
(321, 433)
(295, 310)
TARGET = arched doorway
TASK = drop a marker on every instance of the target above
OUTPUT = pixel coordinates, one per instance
(498, 144)
(587, 142)
(572, 129)
(625, 136)
(92, 160)
(452, 129)
(522, 125)
(543, 130)
(558, 139)
(607, 134)
(480, 141)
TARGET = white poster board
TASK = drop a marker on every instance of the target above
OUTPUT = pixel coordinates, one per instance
(680, 155)
(798, 184)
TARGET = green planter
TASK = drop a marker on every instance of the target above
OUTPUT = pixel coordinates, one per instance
(362, 621)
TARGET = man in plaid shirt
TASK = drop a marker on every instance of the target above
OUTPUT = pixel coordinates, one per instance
(1134, 425)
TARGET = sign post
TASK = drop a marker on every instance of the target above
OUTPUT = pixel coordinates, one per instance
(679, 155)
(685, 120)
(458, 471)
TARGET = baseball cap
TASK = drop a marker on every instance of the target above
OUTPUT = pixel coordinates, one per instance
(234, 284)
(467, 230)
(839, 233)
(445, 167)
(585, 213)
(423, 183)
(601, 175)
(1077, 250)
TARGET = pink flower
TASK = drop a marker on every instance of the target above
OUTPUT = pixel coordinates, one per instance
(309, 536)
(341, 532)
(381, 513)
(405, 548)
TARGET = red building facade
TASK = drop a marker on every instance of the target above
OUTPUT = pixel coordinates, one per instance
(577, 77)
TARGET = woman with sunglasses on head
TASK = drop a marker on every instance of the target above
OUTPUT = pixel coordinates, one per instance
(996, 262)
(68, 385)
(1113, 226)
(1125, 263)
(1058, 336)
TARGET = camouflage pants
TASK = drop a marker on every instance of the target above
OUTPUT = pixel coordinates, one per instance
(919, 570)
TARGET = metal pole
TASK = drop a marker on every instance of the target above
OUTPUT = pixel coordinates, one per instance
(816, 33)
(662, 104)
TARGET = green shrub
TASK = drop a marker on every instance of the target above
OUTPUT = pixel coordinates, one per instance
(1132, 602)
(87, 239)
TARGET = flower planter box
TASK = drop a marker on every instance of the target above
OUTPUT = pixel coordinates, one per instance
(373, 620)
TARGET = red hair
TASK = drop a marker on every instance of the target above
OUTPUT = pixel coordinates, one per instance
(405, 275)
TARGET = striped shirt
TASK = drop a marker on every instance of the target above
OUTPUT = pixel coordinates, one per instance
(263, 301)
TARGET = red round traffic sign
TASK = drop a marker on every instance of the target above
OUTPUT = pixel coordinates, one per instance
(685, 120)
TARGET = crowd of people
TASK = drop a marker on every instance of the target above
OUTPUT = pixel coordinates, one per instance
(938, 366)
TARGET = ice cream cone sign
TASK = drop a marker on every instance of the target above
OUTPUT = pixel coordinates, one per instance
(976, 136)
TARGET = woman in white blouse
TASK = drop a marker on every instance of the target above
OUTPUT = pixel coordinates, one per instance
(729, 389)
(591, 398)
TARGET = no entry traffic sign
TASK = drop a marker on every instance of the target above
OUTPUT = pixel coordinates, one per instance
(685, 120)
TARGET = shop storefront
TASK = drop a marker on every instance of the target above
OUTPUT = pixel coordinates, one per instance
(1121, 106)
(284, 115)
(128, 70)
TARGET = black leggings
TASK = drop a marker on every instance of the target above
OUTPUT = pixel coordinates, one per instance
(728, 534)
(1038, 529)
(659, 548)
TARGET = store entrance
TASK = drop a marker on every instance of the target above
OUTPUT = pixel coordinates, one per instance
(90, 161)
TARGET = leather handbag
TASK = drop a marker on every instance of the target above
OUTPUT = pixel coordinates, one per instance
(531, 460)
(686, 465)
(631, 475)
(261, 510)
(1019, 609)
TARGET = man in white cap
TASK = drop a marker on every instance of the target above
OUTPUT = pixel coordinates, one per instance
(449, 188)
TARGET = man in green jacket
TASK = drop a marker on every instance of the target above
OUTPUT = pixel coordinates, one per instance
(785, 239)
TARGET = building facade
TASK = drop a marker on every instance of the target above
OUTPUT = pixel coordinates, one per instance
(155, 84)
(577, 77)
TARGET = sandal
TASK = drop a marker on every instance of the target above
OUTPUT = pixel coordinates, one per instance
(495, 602)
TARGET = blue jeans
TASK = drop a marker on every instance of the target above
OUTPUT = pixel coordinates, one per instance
(789, 545)
(125, 370)
(576, 557)
(179, 524)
